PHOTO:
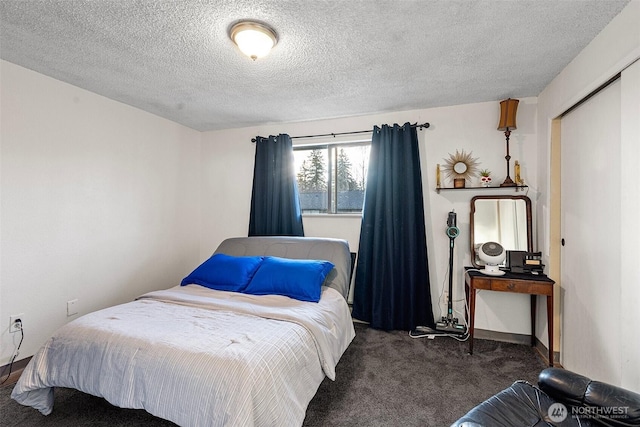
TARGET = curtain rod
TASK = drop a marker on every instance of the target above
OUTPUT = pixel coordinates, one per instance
(422, 126)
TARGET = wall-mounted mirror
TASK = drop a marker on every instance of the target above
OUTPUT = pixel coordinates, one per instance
(502, 219)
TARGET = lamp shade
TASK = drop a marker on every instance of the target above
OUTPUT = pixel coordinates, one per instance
(508, 109)
(253, 38)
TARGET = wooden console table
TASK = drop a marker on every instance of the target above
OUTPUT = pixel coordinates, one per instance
(511, 282)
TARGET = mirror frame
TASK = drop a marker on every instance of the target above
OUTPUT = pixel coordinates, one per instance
(527, 201)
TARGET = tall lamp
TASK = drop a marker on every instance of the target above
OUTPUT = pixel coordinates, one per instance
(508, 109)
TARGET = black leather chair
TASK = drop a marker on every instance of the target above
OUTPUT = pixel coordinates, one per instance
(562, 398)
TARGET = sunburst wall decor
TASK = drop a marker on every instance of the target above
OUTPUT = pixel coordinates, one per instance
(461, 165)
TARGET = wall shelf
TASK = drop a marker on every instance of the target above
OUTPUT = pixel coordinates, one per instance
(515, 187)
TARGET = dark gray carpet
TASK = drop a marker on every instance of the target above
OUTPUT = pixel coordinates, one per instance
(383, 379)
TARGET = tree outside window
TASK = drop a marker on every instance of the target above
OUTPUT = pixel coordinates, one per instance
(332, 178)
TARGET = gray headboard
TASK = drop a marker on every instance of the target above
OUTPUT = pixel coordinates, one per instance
(333, 250)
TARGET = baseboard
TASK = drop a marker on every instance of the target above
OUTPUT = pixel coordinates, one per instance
(16, 371)
(484, 334)
(544, 352)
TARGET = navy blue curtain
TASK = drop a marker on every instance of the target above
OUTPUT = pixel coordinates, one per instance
(392, 289)
(275, 203)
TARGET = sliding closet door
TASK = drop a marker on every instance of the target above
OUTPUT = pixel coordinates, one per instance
(590, 204)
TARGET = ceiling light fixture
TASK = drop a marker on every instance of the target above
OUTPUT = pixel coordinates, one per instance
(253, 38)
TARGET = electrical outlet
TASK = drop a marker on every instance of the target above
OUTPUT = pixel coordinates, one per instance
(16, 323)
(72, 307)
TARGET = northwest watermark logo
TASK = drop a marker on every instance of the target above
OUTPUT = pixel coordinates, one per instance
(558, 412)
(611, 412)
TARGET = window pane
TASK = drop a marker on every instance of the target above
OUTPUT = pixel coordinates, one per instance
(313, 175)
(351, 176)
(332, 178)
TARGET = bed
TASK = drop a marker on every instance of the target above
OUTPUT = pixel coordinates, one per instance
(206, 357)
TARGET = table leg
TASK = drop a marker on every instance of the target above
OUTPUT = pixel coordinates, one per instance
(534, 299)
(471, 292)
(550, 326)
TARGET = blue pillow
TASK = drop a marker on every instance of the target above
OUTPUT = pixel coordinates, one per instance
(224, 272)
(301, 279)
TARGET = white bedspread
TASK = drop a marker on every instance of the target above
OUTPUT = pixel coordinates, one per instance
(197, 357)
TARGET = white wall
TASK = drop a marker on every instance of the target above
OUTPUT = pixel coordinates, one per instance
(228, 157)
(615, 48)
(630, 227)
(99, 202)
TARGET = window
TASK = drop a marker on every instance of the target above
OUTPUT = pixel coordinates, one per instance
(331, 178)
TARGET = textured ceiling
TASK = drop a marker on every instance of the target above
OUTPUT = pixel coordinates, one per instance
(334, 58)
